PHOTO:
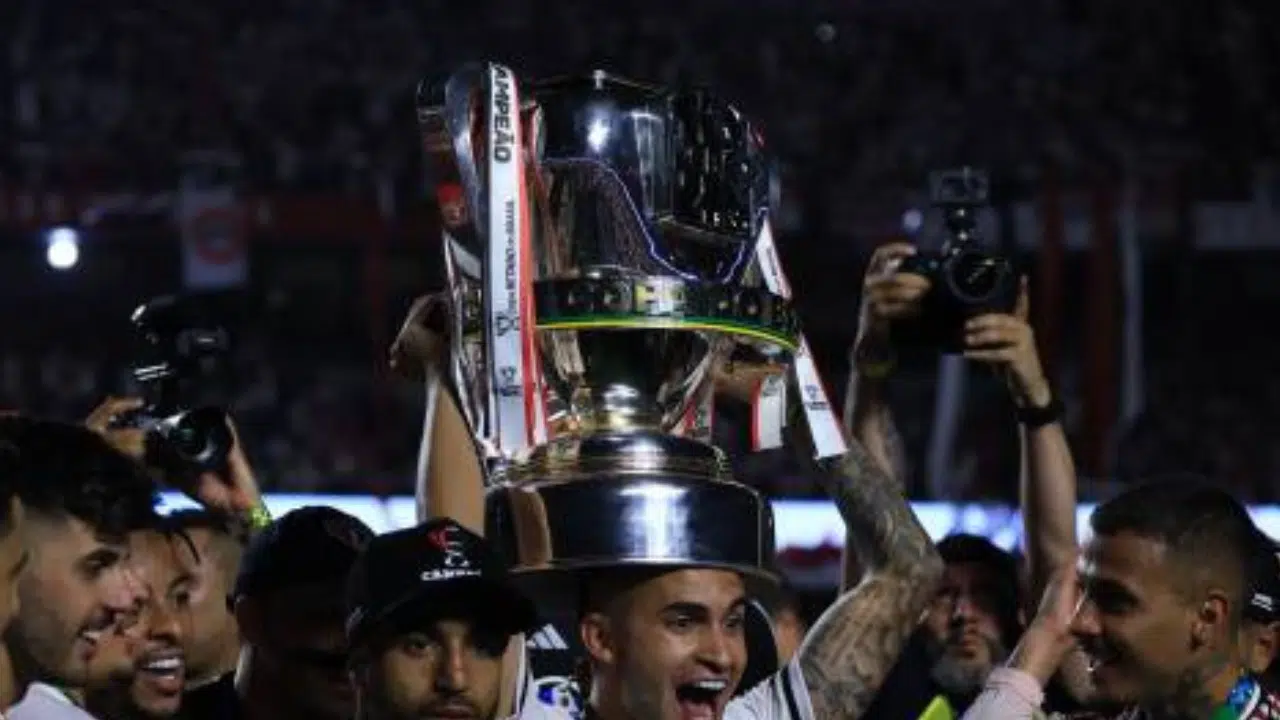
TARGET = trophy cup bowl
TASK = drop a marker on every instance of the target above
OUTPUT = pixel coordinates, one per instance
(645, 206)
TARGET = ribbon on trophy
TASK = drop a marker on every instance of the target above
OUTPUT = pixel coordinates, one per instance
(515, 397)
(769, 411)
(698, 421)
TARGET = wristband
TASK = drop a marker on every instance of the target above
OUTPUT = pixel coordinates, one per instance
(258, 517)
(1035, 417)
(874, 367)
(876, 370)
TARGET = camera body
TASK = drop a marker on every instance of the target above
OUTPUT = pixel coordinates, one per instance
(184, 348)
(966, 279)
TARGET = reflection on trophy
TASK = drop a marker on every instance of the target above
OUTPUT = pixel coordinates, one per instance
(605, 243)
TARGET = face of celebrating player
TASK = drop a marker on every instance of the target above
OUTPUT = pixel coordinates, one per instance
(671, 647)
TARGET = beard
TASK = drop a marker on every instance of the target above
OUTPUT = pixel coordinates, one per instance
(963, 676)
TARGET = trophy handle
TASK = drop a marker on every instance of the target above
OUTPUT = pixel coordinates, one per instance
(461, 95)
(445, 124)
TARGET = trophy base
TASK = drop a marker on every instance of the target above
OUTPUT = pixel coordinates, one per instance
(662, 501)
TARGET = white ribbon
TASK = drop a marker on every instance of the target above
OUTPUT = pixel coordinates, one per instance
(828, 439)
(768, 412)
(699, 419)
(514, 396)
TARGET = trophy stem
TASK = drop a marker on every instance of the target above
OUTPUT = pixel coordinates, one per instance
(611, 454)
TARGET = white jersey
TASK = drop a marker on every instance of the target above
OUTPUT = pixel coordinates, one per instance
(45, 702)
(784, 696)
(551, 698)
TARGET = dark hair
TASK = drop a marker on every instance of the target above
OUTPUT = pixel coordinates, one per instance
(1206, 532)
(62, 470)
(219, 523)
(1001, 566)
(601, 589)
(8, 485)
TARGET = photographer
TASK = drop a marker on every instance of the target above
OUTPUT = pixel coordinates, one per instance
(232, 509)
(1005, 342)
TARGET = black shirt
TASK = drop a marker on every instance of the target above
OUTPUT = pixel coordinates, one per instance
(216, 701)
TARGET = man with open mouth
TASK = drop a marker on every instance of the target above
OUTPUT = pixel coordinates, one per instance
(154, 690)
(82, 499)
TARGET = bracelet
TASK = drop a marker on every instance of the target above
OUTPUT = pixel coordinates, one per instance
(259, 517)
(1036, 417)
(876, 370)
(872, 367)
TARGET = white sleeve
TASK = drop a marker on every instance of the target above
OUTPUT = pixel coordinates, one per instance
(784, 696)
(529, 703)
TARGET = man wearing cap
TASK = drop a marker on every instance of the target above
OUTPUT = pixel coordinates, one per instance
(431, 612)
(1260, 626)
(288, 606)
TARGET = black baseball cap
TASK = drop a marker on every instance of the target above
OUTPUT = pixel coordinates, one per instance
(435, 570)
(308, 546)
(1262, 601)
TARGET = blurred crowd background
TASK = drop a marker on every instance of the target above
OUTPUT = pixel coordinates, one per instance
(1082, 111)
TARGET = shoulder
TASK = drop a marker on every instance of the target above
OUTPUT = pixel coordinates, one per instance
(783, 696)
(43, 702)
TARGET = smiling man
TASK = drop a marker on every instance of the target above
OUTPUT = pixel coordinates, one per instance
(13, 560)
(1164, 591)
(153, 690)
(82, 499)
(1164, 579)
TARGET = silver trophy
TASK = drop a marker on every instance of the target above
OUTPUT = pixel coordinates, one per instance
(600, 245)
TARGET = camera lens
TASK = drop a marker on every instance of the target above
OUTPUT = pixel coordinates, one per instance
(188, 440)
(200, 436)
(974, 276)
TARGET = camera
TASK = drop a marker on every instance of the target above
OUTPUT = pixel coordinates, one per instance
(966, 279)
(181, 366)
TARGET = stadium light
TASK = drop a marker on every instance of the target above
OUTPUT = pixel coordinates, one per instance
(62, 250)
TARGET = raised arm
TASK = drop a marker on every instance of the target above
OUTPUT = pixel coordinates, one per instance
(1047, 485)
(450, 482)
(850, 650)
(886, 295)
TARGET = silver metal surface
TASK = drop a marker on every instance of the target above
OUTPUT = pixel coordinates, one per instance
(631, 521)
(645, 205)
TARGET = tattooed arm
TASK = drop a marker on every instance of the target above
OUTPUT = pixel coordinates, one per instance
(868, 418)
(885, 295)
(850, 650)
